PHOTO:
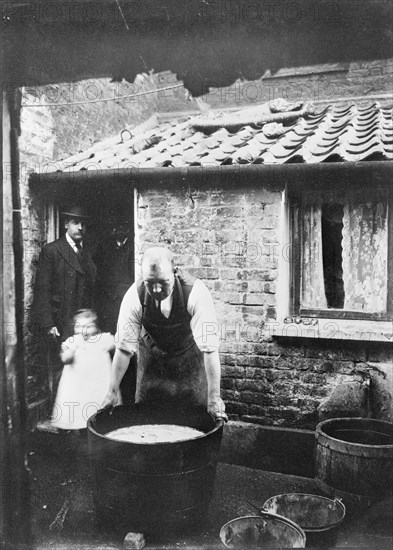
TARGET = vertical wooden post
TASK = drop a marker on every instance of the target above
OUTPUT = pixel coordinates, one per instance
(14, 476)
(3, 394)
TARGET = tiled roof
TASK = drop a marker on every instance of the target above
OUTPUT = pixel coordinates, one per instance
(340, 132)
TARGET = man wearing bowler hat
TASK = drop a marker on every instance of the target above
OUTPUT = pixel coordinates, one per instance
(65, 278)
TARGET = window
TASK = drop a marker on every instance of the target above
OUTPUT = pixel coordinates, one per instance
(342, 259)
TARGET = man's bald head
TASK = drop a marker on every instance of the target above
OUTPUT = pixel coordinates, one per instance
(156, 258)
(158, 272)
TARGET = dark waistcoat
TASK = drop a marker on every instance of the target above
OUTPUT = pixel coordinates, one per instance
(172, 335)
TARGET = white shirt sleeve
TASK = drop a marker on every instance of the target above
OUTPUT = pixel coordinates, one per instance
(130, 321)
(203, 322)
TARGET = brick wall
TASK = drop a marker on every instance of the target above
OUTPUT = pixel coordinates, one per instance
(315, 83)
(174, 99)
(230, 239)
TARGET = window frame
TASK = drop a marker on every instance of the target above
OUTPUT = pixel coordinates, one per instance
(53, 222)
(296, 215)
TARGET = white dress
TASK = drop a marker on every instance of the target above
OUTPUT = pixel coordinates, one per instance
(84, 383)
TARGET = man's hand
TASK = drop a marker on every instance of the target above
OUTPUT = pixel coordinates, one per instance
(216, 407)
(120, 363)
(111, 400)
(53, 332)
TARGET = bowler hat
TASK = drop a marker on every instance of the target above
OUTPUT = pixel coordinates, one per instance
(76, 212)
(119, 221)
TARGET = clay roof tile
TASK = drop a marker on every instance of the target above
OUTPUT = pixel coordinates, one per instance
(345, 132)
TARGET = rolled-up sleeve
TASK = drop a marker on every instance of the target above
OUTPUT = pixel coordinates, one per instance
(203, 322)
(129, 322)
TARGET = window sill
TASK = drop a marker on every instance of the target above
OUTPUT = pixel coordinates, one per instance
(331, 329)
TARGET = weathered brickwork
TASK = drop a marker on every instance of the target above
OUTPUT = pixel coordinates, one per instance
(221, 236)
(319, 83)
(81, 114)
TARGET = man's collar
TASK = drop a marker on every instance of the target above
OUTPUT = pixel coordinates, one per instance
(72, 242)
(120, 243)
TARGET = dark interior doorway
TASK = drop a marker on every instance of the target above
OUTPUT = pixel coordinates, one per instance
(104, 205)
(107, 205)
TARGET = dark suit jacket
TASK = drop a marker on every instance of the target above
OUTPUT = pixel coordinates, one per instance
(115, 275)
(62, 286)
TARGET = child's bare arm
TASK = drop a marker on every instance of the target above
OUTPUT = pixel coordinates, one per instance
(110, 342)
(112, 346)
(67, 353)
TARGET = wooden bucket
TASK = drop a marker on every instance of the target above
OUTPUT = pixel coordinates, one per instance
(355, 456)
(153, 487)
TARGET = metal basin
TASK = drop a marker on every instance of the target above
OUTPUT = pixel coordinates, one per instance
(263, 531)
(312, 513)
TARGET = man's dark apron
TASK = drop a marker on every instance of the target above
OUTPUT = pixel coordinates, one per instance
(170, 365)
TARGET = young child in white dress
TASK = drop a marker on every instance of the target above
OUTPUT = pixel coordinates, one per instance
(85, 378)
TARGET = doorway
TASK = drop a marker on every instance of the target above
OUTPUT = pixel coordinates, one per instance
(105, 206)
(105, 203)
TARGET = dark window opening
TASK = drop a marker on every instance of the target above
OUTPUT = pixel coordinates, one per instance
(332, 253)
